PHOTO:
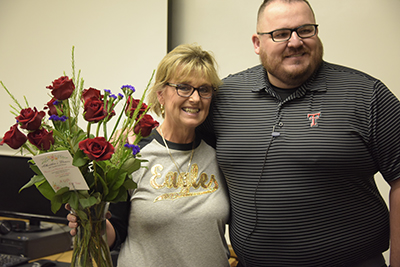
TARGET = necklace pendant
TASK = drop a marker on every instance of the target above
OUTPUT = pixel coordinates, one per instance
(184, 178)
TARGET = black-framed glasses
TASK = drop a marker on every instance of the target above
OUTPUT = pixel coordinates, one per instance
(283, 35)
(185, 90)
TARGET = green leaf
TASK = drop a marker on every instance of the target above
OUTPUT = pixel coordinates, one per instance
(122, 196)
(62, 191)
(130, 184)
(103, 166)
(110, 176)
(112, 195)
(81, 214)
(103, 184)
(56, 199)
(88, 202)
(61, 148)
(55, 206)
(46, 190)
(131, 165)
(80, 135)
(79, 159)
(74, 201)
(35, 179)
(34, 168)
(90, 180)
(58, 134)
(118, 180)
(75, 196)
(66, 196)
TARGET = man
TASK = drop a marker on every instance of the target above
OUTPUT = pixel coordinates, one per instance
(299, 141)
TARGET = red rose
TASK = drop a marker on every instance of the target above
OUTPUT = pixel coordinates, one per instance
(89, 93)
(145, 125)
(30, 119)
(14, 138)
(51, 105)
(41, 138)
(94, 110)
(62, 88)
(132, 106)
(97, 148)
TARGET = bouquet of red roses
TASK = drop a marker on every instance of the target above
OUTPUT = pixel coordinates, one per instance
(105, 162)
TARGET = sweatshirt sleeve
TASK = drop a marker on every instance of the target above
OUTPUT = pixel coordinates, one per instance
(120, 219)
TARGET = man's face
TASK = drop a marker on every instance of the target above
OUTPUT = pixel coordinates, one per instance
(290, 63)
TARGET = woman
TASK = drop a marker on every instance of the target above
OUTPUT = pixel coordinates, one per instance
(177, 214)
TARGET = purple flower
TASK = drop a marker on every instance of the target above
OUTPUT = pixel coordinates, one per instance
(56, 118)
(135, 148)
(53, 117)
(128, 87)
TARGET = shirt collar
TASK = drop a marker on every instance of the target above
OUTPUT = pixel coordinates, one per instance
(317, 82)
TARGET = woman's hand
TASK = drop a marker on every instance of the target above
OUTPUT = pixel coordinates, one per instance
(73, 224)
(72, 220)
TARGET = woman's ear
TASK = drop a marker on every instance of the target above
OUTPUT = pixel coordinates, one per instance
(160, 97)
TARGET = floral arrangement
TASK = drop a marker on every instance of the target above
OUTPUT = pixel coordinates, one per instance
(106, 162)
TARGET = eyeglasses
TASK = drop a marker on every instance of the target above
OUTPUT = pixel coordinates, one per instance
(185, 90)
(283, 35)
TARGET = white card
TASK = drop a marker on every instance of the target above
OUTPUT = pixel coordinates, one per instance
(58, 170)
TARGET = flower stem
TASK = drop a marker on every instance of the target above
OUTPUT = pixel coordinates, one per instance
(118, 120)
(90, 244)
(88, 129)
(28, 148)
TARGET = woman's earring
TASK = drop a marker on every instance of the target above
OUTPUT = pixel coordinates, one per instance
(162, 110)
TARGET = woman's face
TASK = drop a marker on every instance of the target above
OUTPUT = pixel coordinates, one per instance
(184, 113)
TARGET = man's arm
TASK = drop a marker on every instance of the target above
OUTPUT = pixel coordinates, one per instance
(394, 204)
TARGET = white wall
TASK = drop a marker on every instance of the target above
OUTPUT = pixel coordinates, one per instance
(362, 34)
(116, 43)
(222, 26)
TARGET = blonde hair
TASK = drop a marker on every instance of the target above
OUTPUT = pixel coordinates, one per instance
(187, 60)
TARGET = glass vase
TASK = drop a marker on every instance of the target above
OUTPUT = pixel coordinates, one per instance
(90, 243)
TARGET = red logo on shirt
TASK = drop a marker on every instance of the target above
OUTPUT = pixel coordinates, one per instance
(313, 118)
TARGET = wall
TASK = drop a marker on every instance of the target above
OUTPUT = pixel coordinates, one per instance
(116, 43)
(357, 33)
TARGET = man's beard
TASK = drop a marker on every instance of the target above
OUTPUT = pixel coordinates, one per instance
(296, 77)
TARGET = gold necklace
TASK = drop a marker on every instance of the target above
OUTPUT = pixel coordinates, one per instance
(185, 174)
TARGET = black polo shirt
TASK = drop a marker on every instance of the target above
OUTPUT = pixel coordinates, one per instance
(301, 171)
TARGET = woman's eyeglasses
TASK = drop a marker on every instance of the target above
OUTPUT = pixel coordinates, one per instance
(185, 90)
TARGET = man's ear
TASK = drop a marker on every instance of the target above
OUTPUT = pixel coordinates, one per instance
(256, 43)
